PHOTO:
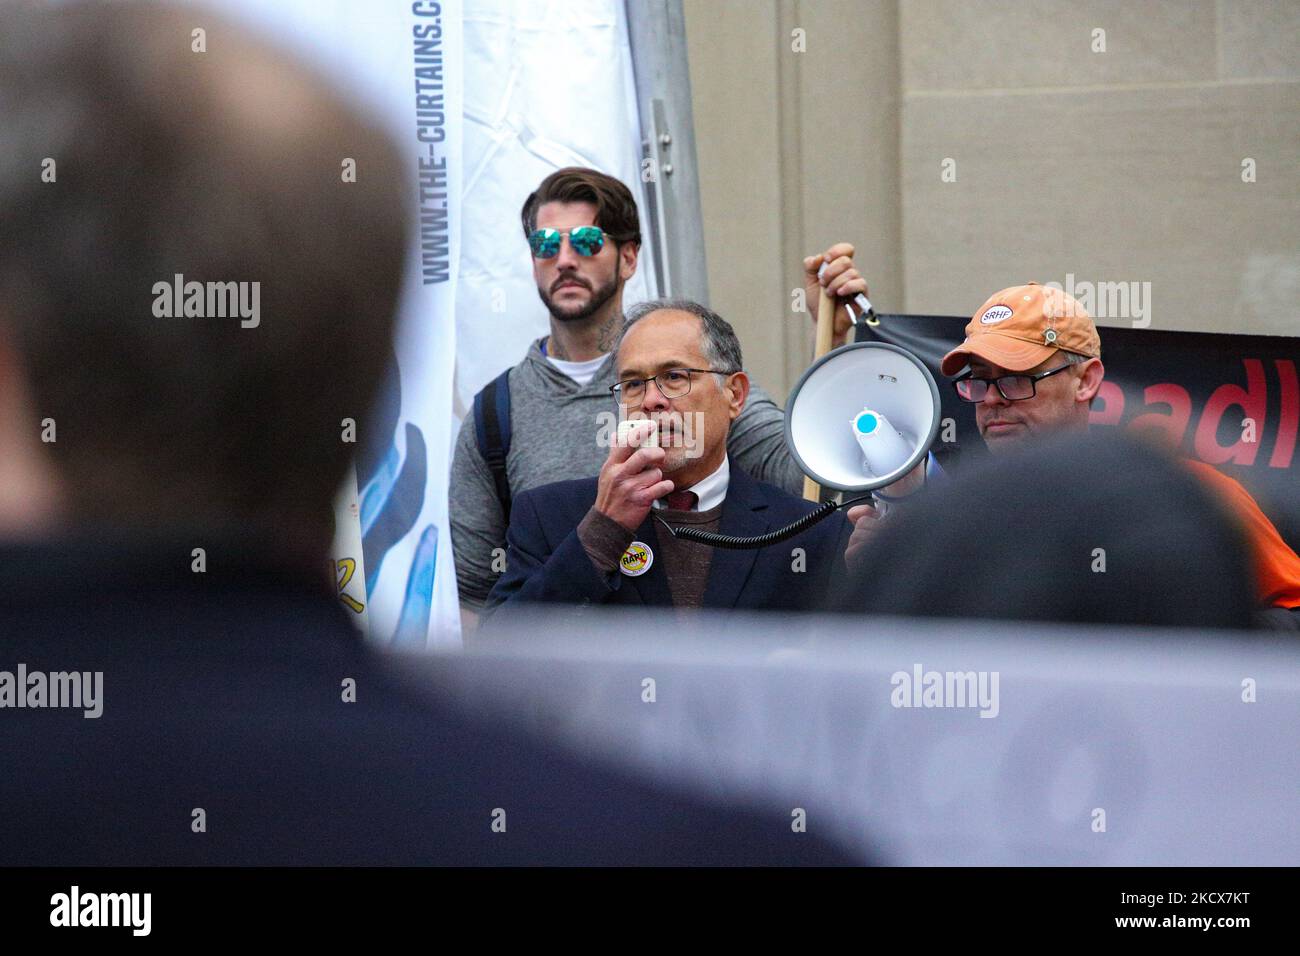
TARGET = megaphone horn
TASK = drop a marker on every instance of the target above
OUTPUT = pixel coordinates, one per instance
(860, 418)
(863, 416)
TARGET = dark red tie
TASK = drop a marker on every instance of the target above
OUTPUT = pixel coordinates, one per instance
(681, 500)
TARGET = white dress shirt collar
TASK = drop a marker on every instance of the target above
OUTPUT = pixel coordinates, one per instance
(710, 490)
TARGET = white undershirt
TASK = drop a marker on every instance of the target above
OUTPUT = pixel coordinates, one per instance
(710, 490)
(580, 372)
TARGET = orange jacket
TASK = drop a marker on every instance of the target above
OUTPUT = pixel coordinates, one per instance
(1276, 566)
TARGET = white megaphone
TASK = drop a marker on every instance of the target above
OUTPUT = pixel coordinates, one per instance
(862, 416)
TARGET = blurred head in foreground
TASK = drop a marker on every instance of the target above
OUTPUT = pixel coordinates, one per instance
(192, 299)
(1076, 529)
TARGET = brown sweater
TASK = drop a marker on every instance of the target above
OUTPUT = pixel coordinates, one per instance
(686, 563)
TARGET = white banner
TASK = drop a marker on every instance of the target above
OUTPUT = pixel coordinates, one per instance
(925, 743)
(548, 85)
(403, 63)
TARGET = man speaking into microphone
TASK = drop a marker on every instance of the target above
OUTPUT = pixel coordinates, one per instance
(607, 540)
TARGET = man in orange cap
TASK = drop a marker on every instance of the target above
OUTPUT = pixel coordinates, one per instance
(1034, 360)
(1031, 365)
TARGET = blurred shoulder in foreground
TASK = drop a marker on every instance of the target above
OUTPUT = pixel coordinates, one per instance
(1099, 529)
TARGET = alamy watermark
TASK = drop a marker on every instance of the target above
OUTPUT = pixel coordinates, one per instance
(675, 430)
(80, 690)
(1103, 300)
(209, 300)
(129, 910)
(922, 688)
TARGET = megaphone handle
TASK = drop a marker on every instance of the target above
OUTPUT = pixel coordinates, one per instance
(825, 324)
(825, 333)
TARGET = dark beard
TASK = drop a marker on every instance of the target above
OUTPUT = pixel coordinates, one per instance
(599, 297)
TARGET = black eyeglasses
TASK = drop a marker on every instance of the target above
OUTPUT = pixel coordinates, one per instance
(1014, 388)
(674, 383)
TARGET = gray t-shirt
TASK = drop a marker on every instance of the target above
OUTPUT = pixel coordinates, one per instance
(555, 424)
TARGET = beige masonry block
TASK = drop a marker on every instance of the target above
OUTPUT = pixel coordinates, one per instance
(1005, 44)
(1126, 185)
(848, 104)
(732, 49)
(1259, 38)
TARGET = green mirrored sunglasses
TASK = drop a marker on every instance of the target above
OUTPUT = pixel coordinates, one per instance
(585, 240)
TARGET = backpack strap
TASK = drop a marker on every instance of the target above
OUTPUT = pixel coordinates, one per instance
(492, 428)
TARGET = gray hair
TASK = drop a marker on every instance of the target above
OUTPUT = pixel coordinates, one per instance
(1074, 358)
(718, 339)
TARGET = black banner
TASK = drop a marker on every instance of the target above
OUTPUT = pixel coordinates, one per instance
(1230, 400)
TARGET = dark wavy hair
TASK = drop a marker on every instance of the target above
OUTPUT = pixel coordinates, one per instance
(615, 208)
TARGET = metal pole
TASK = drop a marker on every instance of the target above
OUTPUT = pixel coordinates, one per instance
(657, 34)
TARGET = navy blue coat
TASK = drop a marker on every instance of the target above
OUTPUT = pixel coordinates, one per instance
(545, 561)
(223, 691)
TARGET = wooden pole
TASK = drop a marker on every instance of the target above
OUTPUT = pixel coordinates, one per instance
(825, 334)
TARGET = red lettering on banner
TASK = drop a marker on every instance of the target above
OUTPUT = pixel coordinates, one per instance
(1173, 425)
(1289, 424)
(1112, 410)
(1252, 400)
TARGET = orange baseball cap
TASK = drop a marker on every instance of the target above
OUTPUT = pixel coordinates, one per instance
(1021, 327)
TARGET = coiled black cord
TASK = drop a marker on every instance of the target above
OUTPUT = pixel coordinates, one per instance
(733, 543)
